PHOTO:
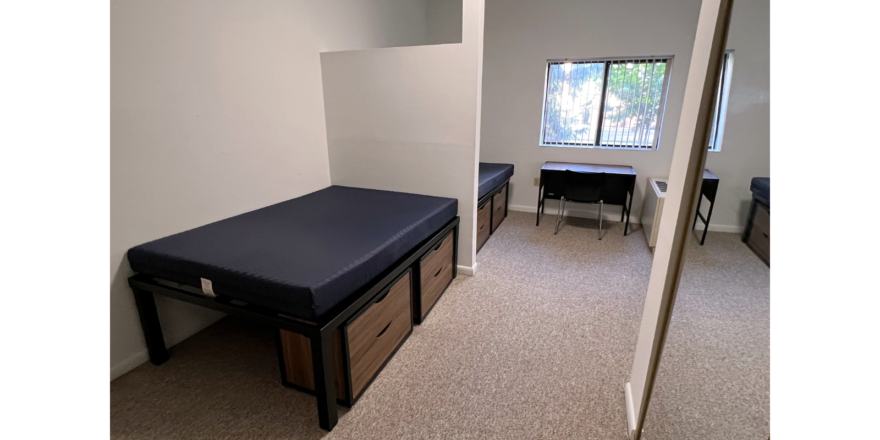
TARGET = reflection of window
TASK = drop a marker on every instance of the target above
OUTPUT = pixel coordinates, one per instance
(721, 103)
(614, 103)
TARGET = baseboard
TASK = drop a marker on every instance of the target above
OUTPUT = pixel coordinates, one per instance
(722, 228)
(129, 364)
(468, 270)
(143, 356)
(584, 213)
(580, 213)
(630, 411)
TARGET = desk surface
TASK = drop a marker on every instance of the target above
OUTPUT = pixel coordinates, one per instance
(589, 168)
(708, 175)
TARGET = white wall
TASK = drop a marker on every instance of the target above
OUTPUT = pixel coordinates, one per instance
(362, 24)
(745, 149)
(521, 35)
(444, 21)
(407, 119)
(216, 110)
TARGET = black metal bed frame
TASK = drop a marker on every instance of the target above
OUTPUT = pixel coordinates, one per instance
(320, 333)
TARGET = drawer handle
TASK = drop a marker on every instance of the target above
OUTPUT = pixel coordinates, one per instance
(440, 243)
(382, 298)
(481, 227)
(438, 271)
(383, 330)
(765, 235)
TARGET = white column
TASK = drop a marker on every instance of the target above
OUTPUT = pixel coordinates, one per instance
(685, 177)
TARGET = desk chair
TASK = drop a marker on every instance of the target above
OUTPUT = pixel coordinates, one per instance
(581, 188)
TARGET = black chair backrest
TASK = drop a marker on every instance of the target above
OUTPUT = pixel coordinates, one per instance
(583, 187)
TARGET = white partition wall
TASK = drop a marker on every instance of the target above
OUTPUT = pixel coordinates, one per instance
(407, 119)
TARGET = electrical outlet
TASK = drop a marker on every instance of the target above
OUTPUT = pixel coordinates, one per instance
(537, 181)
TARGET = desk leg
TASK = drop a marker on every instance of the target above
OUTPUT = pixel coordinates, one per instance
(629, 208)
(708, 218)
(325, 388)
(697, 215)
(540, 209)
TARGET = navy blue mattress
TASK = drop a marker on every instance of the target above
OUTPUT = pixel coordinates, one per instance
(303, 256)
(761, 189)
(492, 175)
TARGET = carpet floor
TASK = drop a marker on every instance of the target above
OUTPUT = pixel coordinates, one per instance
(537, 345)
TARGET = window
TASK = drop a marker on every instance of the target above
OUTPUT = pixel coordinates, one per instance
(608, 103)
(721, 103)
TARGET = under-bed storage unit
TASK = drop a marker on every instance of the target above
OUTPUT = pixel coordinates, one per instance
(494, 182)
(757, 231)
(338, 271)
(361, 346)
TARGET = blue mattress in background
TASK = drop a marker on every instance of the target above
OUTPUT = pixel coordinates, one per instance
(492, 175)
(303, 256)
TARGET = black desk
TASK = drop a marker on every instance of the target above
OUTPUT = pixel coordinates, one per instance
(620, 181)
(709, 190)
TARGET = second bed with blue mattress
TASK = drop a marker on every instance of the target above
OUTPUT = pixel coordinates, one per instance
(301, 257)
(492, 175)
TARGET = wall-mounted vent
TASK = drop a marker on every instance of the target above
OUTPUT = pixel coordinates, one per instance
(662, 185)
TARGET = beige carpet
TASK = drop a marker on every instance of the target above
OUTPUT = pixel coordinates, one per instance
(714, 376)
(537, 345)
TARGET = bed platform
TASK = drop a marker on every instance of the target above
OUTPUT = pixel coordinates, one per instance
(494, 181)
(342, 272)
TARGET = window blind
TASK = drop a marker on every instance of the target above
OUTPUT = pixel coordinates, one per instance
(614, 103)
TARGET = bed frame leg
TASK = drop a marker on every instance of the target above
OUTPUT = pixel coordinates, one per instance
(146, 305)
(325, 387)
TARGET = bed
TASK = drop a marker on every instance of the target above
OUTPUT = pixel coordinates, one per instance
(310, 266)
(494, 181)
(492, 176)
(756, 234)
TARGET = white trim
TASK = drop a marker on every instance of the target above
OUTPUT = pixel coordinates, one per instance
(722, 228)
(468, 270)
(129, 364)
(630, 410)
(143, 356)
(599, 147)
(582, 213)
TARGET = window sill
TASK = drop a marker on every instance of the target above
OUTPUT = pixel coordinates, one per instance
(594, 147)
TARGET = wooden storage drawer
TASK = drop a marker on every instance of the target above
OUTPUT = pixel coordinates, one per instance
(762, 218)
(759, 236)
(363, 345)
(435, 275)
(499, 202)
(484, 216)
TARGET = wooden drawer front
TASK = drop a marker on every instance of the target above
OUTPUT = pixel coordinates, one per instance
(762, 218)
(370, 339)
(375, 334)
(498, 202)
(297, 352)
(762, 244)
(484, 215)
(436, 270)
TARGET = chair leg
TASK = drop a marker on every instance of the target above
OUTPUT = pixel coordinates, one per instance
(559, 214)
(600, 219)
